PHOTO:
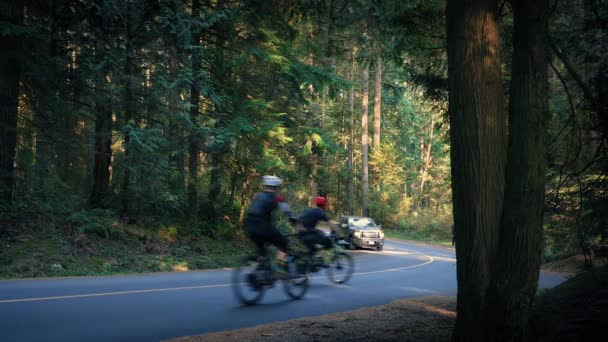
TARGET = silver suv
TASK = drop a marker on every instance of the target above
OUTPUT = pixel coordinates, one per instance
(359, 231)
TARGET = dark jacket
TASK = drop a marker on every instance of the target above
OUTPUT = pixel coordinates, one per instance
(264, 204)
(311, 216)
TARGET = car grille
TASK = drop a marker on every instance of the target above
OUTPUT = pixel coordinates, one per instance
(371, 234)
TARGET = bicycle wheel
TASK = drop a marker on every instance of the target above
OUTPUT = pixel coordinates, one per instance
(245, 283)
(296, 283)
(340, 268)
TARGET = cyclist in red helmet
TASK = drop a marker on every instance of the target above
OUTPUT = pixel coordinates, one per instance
(309, 219)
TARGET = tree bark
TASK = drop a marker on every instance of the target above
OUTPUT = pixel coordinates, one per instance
(478, 152)
(103, 122)
(193, 146)
(377, 103)
(217, 152)
(351, 127)
(426, 162)
(521, 236)
(364, 142)
(12, 12)
(129, 109)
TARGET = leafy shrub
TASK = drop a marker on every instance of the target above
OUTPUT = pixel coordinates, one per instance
(100, 222)
(225, 230)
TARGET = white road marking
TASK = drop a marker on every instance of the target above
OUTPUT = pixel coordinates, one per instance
(20, 300)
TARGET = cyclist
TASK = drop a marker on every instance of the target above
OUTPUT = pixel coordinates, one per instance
(259, 223)
(309, 219)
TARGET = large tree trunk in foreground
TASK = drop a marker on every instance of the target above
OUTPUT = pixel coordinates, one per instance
(518, 260)
(364, 142)
(478, 151)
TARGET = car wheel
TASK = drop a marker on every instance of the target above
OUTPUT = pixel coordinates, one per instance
(381, 247)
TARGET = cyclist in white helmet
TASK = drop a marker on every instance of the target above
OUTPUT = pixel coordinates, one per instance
(259, 224)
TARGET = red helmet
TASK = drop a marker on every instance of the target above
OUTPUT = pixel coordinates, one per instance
(320, 201)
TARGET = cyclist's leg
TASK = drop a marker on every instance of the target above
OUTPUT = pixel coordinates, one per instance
(276, 238)
(309, 240)
(254, 233)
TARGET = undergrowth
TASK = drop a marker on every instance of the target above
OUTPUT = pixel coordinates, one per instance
(95, 242)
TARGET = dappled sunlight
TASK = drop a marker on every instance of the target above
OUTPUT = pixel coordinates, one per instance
(434, 309)
(181, 267)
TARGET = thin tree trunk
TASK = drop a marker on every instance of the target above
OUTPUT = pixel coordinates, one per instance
(518, 260)
(217, 152)
(176, 139)
(426, 162)
(194, 115)
(478, 152)
(313, 190)
(103, 123)
(12, 12)
(364, 142)
(351, 128)
(129, 108)
(378, 103)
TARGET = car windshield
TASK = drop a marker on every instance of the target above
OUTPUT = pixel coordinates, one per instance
(362, 222)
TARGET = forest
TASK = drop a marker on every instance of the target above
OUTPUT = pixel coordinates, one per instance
(147, 125)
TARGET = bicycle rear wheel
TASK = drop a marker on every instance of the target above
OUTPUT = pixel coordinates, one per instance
(296, 283)
(247, 286)
(340, 268)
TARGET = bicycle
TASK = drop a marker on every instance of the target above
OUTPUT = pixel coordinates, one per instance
(340, 267)
(250, 281)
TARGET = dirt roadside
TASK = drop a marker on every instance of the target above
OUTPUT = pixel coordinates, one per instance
(421, 319)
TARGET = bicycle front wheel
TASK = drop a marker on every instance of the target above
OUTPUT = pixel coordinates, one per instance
(246, 286)
(341, 268)
(296, 283)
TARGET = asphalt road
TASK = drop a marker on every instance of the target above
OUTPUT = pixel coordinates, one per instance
(159, 306)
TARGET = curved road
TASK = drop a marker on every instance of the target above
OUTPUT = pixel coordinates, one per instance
(159, 306)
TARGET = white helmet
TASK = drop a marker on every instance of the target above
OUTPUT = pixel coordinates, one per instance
(273, 181)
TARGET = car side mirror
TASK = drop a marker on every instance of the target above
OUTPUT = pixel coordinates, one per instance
(379, 226)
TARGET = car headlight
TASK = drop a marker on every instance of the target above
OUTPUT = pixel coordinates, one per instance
(381, 234)
(357, 234)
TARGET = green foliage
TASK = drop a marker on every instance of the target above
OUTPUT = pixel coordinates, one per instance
(428, 227)
(96, 221)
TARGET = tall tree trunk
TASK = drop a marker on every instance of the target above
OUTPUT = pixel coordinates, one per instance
(478, 152)
(377, 103)
(12, 12)
(426, 161)
(193, 148)
(222, 75)
(175, 131)
(129, 108)
(364, 142)
(517, 266)
(351, 128)
(103, 122)
(103, 144)
(215, 186)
